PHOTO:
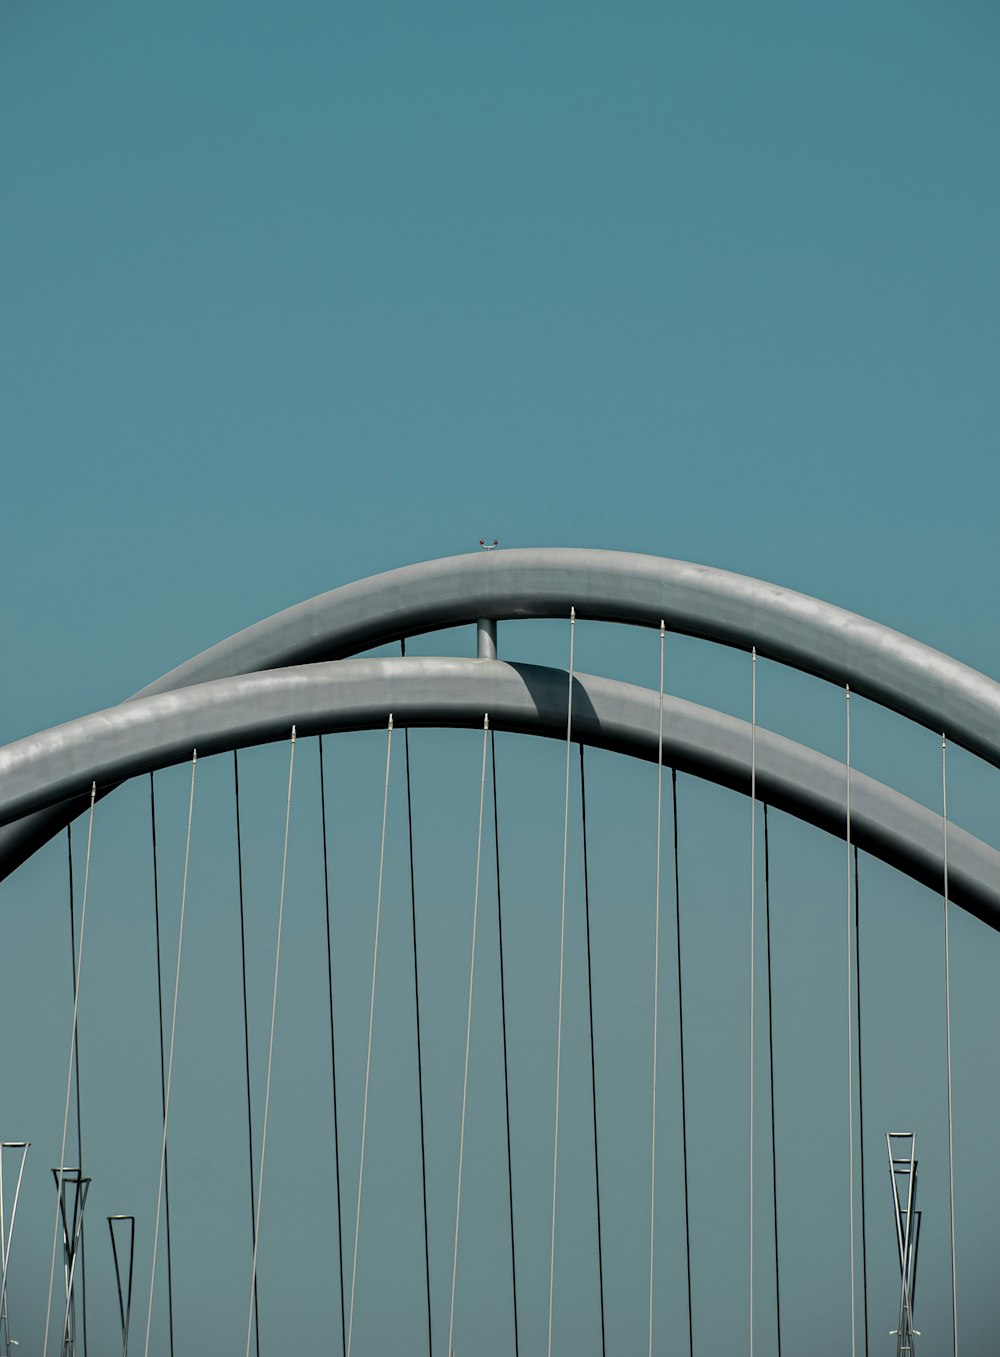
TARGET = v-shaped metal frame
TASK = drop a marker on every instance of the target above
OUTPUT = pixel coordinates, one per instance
(124, 1292)
(902, 1149)
(72, 1187)
(7, 1235)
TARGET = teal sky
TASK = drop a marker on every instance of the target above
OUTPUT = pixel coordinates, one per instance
(294, 293)
(290, 294)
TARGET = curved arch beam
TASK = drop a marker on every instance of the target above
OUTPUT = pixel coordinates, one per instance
(612, 586)
(156, 731)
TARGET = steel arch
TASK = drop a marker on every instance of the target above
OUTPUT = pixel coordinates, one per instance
(223, 714)
(612, 586)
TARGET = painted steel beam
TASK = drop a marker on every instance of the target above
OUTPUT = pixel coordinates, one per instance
(155, 731)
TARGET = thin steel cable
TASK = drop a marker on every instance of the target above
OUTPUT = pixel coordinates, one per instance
(947, 996)
(170, 1061)
(593, 1057)
(69, 1073)
(680, 1042)
(333, 1055)
(753, 939)
(371, 1025)
(562, 957)
(503, 1030)
(656, 989)
(861, 1099)
(270, 1041)
(246, 1029)
(468, 1037)
(770, 1065)
(416, 1008)
(76, 1062)
(850, 1016)
(163, 1061)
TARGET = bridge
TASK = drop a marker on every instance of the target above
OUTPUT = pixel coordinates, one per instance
(619, 1039)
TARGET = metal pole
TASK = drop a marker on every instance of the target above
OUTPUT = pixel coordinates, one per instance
(486, 639)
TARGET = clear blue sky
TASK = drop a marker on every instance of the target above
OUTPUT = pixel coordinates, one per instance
(293, 293)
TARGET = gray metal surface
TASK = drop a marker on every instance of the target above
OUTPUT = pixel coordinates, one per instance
(612, 586)
(486, 639)
(162, 729)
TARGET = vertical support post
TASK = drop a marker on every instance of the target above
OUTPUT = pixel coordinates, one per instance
(486, 638)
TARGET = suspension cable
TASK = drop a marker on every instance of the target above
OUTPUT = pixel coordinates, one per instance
(947, 995)
(170, 1061)
(861, 1100)
(656, 989)
(246, 1034)
(69, 1074)
(333, 1049)
(468, 1036)
(593, 1058)
(416, 1008)
(770, 1064)
(76, 1062)
(371, 1026)
(270, 1041)
(753, 938)
(680, 1038)
(562, 957)
(850, 1017)
(163, 1060)
(503, 1031)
